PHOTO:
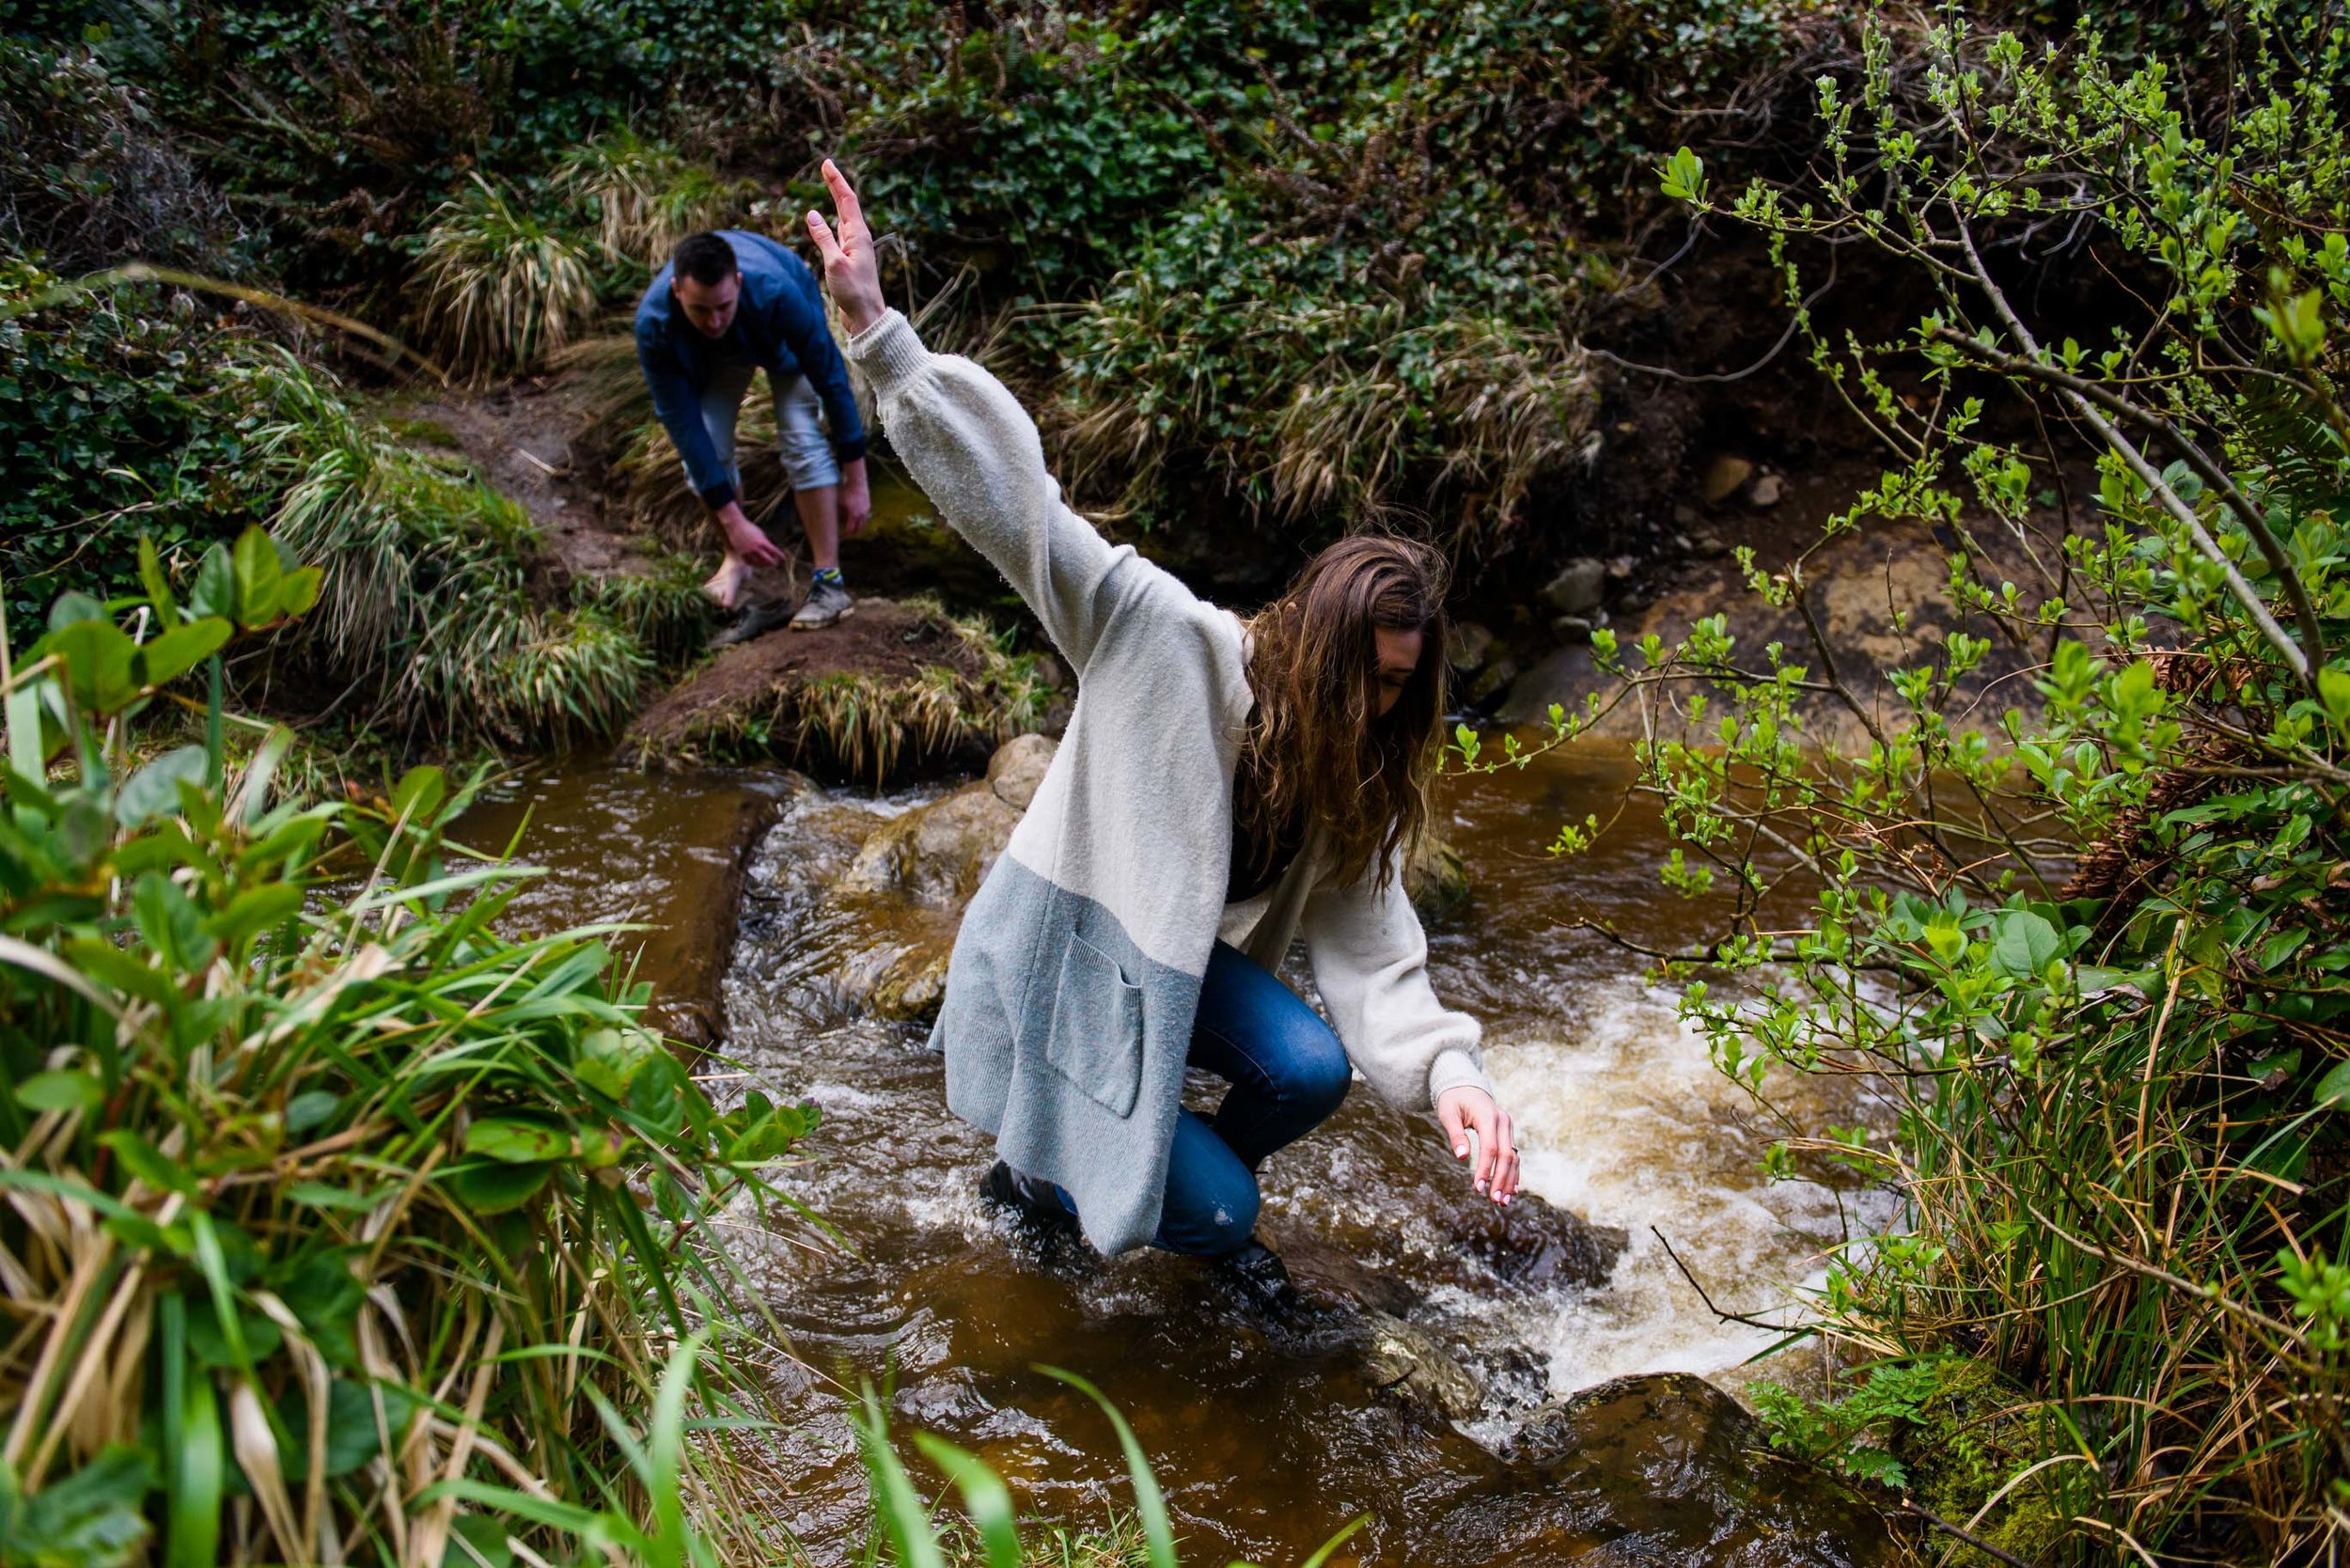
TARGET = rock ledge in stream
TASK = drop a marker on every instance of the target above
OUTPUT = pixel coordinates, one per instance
(1666, 1467)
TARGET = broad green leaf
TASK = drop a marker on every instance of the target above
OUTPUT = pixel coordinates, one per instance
(72, 607)
(254, 910)
(165, 659)
(147, 1163)
(98, 664)
(517, 1143)
(158, 585)
(310, 1108)
(258, 569)
(154, 790)
(92, 1518)
(2023, 943)
(61, 1090)
(490, 1187)
(2334, 1088)
(215, 592)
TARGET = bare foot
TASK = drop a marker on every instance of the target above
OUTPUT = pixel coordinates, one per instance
(724, 586)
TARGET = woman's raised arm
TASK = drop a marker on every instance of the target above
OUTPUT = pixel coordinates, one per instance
(969, 445)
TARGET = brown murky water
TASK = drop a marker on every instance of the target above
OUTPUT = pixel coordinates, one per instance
(1265, 1441)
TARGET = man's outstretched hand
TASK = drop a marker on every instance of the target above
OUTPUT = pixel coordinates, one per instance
(850, 268)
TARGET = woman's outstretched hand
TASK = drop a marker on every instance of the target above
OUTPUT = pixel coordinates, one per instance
(1466, 1111)
(850, 269)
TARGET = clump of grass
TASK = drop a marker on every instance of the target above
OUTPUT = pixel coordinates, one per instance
(342, 1228)
(503, 287)
(663, 607)
(866, 725)
(426, 603)
(646, 195)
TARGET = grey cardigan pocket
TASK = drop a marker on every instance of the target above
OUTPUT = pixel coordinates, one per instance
(1096, 1038)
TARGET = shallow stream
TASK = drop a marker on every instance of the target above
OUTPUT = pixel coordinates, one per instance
(1266, 1442)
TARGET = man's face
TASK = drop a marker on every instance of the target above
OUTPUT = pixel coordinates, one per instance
(708, 305)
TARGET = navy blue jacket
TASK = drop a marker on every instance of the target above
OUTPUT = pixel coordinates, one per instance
(778, 325)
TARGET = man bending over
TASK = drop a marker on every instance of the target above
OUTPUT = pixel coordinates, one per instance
(728, 305)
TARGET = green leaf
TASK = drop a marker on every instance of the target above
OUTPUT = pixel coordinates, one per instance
(89, 1519)
(215, 592)
(310, 1109)
(198, 1473)
(173, 926)
(2334, 1088)
(420, 793)
(353, 1436)
(72, 607)
(154, 790)
(158, 585)
(1682, 177)
(490, 1187)
(147, 1163)
(256, 909)
(61, 1090)
(258, 570)
(165, 659)
(476, 1541)
(2023, 943)
(97, 659)
(298, 590)
(514, 1141)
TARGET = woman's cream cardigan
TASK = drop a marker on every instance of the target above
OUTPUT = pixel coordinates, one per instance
(1069, 1000)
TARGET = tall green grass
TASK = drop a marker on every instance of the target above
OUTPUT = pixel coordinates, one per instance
(429, 604)
(339, 1226)
(503, 287)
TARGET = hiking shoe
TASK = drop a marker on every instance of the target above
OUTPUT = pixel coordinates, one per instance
(760, 616)
(1035, 1202)
(827, 603)
(1256, 1275)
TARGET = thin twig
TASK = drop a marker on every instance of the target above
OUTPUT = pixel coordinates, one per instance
(1725, 1317)
(1971, 1539)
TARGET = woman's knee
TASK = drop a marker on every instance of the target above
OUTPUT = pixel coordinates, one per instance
(1216, 1223)
(1313, 1071)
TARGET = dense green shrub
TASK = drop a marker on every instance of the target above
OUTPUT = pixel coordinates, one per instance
(342, 1225)
(117, 421)
(2119, 1095)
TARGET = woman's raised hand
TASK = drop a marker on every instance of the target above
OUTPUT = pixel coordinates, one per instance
(850, 269)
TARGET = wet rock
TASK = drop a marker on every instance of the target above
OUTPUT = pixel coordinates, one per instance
(1436, 881)
(1562, 676)
(1765, 490)
(1332, 1279)
(1018, 767)
(1713, 548)
(1532, 1245)
(936, 854)
(1666, 1467)
(1406, 1361)
(1578, 587)
(1571, 628)
(1467, 646)
(1723, 476)
(1494, 677)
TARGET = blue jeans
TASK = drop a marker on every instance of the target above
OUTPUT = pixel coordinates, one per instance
(1288, 1074)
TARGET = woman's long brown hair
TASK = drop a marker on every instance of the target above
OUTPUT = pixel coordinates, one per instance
(1318, 749)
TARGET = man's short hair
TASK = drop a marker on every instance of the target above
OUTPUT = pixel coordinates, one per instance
(706, 258)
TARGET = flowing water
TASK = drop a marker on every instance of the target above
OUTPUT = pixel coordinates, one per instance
(1265, 1440)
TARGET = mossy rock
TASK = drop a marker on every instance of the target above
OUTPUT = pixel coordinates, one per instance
(1969, 1438)
(1436, 881)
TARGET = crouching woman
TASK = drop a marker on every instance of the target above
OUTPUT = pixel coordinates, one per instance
(1224, 786)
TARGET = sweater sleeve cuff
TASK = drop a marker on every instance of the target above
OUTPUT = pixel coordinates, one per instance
(848, 451)
(717, 495)
(1456, 1067)
(887, 350)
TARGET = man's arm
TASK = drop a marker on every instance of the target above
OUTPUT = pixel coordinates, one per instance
(681, 413)
(801, 327)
